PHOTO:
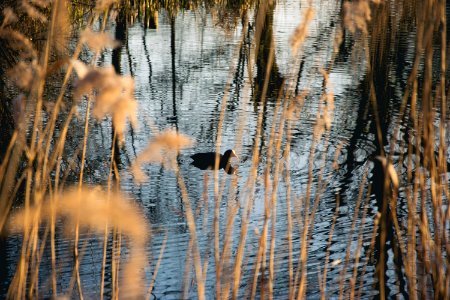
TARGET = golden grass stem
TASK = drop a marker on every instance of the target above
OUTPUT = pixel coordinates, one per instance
(158, 263)
(350, 239)
(217, 194)
(193, 233)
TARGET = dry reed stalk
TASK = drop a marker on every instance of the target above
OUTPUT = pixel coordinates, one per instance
(187, 271)
(193, 232)
(369, 253)
(155, 272)
(30, 235)
(343, 271)
(255, 162)
(41, 176)
(321, 128)
(205, 199)
(309, 219)
(80, 185)
(114, 275)
(225, 259)
(49, 130)
(276, 139)
(298, 37)
(358, 248)
(90, 208)
(96, 42)
(53, 245)
(267, 213)
(57, 154)
(237, 270)
(286, 155)
(170, 143)
(232, 207)
(327, 255)
(3, 166)
(217, 194)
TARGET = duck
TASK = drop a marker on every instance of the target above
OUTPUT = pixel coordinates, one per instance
(207, 161)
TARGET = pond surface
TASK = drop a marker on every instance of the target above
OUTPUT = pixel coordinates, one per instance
(210, 66)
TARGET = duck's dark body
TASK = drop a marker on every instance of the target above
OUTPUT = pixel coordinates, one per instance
(207, 161)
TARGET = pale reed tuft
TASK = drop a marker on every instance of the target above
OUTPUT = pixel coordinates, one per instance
(98, 41)
(115, 94)
(31, 9)
(163, 149)
(122, 110)
(104, 4)
(357, 14)
(40, 3)
(18, 41)
(22, 75)
(9, 17)
(93, 209)
(300, 33)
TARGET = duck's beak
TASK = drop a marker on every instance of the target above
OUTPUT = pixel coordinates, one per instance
(233, 154)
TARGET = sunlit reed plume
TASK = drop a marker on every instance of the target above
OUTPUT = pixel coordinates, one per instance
(19, 42)
(32, 9)
(357, 14)
(114, 94)
(98, 41)
(23, 74)
(163, 149)
(9, 17)
(101, 5)
(93, 209)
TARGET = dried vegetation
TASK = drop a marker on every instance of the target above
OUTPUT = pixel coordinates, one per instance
(422, 237)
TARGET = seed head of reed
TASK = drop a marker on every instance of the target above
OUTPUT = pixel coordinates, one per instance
(98, 41)
(19, 42)
(101, 5)
(32, 9)
(162, 149)
(23, 75)
(93, 209)
(114, 94)
(357, 14)
(9, 17)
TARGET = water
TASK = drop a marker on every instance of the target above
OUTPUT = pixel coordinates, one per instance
(204, 58)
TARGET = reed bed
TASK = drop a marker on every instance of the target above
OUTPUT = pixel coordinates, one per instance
(32, 181)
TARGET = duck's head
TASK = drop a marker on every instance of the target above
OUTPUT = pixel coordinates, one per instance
(230, 153)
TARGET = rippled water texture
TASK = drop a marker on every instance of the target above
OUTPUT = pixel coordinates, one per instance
(184, 70)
